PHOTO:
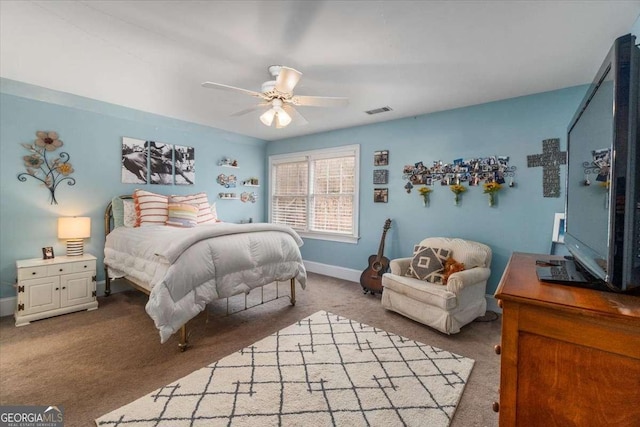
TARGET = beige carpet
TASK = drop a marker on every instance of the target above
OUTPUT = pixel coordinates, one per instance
(324, 370)
(91, 363)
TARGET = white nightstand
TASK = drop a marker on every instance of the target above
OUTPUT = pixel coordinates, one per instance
(49, 287)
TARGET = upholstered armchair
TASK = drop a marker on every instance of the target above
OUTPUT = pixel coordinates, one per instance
(444, 307)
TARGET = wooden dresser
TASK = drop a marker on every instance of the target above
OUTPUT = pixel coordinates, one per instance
(569, 356)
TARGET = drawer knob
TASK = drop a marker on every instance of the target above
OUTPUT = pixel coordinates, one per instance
(497, 348)
(496, 407)
(500, 303)
(61, 269)
(64, 287)
(33, 273)
(85, 266)
(57, 289)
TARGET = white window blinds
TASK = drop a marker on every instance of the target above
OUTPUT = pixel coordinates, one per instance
(315, 192)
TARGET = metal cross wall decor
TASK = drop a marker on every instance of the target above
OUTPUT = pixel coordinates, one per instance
(550, 160)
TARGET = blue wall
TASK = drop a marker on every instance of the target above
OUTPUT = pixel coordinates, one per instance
(92, 134)
(92, 131)
(521, 221)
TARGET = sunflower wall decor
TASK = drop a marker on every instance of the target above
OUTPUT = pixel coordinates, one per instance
(44, 165)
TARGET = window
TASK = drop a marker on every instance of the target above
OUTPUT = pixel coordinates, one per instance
(316, 192)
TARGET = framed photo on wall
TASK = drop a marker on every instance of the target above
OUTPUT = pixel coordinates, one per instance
(381, 158)
(381, 195)
(381, 176)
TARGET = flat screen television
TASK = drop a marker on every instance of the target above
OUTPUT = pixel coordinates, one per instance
(602, 223)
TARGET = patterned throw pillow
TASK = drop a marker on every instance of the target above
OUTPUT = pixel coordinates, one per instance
(151, 208)
(428, 263)
(182, 215)
(130, 217)
(205, 214)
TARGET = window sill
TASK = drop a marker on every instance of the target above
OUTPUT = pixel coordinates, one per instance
(329, 237)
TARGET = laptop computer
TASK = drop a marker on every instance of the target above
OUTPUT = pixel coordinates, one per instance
(559, 271)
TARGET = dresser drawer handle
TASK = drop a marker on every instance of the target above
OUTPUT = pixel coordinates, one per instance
(33, 273)
(61, 269)
(495, 407)
(85, 266)
(497, 348)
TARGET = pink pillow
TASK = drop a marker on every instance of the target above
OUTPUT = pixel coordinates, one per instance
(205, 214)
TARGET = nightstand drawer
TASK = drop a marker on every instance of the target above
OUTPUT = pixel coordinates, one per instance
(32, 272)
(79, 267)
(58, 269)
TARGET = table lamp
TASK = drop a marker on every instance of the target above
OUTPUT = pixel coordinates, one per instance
(74, 230)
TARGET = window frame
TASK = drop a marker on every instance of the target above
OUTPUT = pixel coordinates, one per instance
(309, 156)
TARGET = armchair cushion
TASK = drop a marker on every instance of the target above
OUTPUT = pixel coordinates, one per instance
(428, 263)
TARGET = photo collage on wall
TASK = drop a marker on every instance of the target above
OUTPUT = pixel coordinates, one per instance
(381, 176)
(156, 163)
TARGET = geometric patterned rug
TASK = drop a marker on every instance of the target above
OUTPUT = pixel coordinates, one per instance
(324, 370)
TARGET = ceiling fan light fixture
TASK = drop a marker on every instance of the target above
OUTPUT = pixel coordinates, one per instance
(267, 117)
(282, 119)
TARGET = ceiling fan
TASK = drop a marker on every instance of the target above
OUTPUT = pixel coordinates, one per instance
(277, 95)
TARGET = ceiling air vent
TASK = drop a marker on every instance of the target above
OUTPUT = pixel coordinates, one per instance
(378, 110)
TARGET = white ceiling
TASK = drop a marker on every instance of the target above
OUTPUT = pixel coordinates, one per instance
(415, 56)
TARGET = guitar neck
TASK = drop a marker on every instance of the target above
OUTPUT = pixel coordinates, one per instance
(381, 247)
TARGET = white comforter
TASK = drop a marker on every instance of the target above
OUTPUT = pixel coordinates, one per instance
(186, 268)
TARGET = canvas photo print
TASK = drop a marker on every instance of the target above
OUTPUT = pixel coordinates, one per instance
(134, 161)
(185, 165)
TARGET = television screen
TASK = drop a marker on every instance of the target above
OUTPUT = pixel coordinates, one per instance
(603, 176)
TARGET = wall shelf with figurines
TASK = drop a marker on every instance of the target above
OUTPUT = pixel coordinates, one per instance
(226, 162)
(228, 196)
(251, 182)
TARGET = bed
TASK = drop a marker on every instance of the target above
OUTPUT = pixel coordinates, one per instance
(183, 269)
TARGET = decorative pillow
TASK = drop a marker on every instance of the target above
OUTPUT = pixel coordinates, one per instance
(427, 263)
(206, 214)
(182, 215)
(451, 266)
(151, 208)
(130, 216)
(117, 210)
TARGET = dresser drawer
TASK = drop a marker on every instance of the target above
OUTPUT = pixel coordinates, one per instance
(79, 267)
(58, 269)
(32, 272)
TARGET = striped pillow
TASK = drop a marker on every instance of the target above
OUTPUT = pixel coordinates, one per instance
(182, 215)
(151, 208)
(205, 215)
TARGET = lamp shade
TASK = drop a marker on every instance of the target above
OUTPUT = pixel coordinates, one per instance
(77, 227)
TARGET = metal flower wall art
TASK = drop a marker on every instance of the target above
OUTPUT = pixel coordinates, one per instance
(46, 166)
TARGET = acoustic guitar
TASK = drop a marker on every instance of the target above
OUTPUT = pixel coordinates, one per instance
(371, 277)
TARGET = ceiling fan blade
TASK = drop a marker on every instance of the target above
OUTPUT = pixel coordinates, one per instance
(250, 109)
(296, 117)
(220, 86)
(319, 101)
(287, 79)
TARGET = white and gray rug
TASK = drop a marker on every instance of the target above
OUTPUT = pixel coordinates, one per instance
(324, 370)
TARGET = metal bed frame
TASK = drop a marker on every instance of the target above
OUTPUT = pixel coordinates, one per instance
(183, 344)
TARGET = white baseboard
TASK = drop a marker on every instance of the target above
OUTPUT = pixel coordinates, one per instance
(7, 306)
(492, 304)
(333, 271)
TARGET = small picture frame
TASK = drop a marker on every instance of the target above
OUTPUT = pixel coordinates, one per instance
(381, 158)
(380, 195)
(558, 228)
(381, 176)
(47, 252)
